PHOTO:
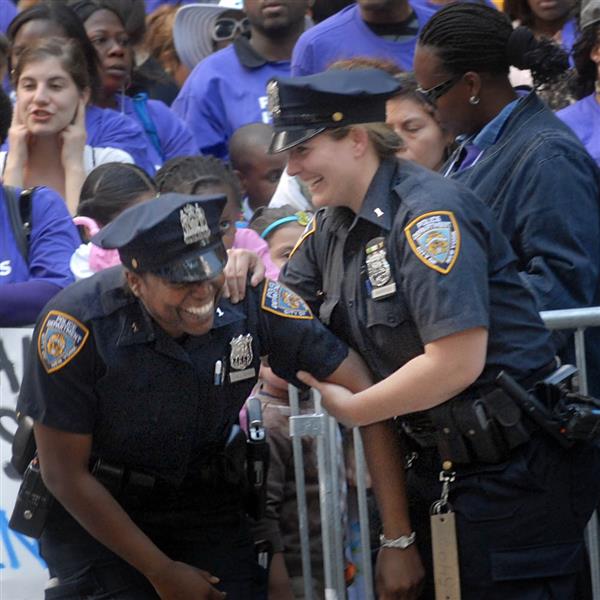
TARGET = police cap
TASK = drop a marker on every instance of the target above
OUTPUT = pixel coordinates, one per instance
(302, 107)
(174, 236)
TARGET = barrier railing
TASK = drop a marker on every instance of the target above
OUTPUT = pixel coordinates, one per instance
(322, 427)
(580, 319)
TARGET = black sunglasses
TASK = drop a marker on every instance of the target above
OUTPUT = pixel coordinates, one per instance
(433, 94)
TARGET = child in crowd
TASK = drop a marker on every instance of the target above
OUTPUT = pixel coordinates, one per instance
(107, 191)
(280, 228)
(209, 175)
(259, 172)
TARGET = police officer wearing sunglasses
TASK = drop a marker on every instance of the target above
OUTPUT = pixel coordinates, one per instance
(135, 386)
(413, 272)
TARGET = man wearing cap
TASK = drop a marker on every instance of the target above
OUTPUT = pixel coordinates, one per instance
(135, 386)
(226, 90)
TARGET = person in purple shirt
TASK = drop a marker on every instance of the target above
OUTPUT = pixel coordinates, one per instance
(228, 88)
(552, 20)
(583, 117)
(34, 261)
(384, 29)
(436, 5)
(26, 286)
(105, 128)
(166, 135)
(7, 14)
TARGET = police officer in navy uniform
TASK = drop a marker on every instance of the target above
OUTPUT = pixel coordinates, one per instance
(412, 271)
(135, 387)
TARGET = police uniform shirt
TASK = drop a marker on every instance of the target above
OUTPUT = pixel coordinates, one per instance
(423, 259)
(101, 366)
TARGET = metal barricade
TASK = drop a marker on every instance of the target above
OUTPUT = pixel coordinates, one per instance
(580, 319)
(322, 427)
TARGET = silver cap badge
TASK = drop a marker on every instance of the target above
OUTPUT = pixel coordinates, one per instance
(273, 103)
(194, 225)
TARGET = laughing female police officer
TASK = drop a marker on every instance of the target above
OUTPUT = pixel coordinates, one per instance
(141, 373)
(413, 272)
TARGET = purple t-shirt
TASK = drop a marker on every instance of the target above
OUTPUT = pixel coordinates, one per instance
(8, 11)
(221, 95)
(428, 5)
(345, 35)
(583, 118)
(175, 138)
(108, 128)
(25, 288)
(152, 5)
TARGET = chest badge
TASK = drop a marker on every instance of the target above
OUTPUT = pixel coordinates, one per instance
(240, 358)
(378, 270)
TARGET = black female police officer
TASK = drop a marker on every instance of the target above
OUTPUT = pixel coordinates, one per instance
(142, 371)
(412, 271)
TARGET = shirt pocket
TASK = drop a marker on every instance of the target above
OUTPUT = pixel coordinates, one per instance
(392, 332)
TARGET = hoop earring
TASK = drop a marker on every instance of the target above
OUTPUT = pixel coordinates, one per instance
(474, 100)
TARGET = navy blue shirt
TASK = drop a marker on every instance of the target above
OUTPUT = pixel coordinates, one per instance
(424, 259)
(102, 366)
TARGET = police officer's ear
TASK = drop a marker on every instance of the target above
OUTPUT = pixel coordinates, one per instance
(595, 54)
(359, 138)
(133, 281)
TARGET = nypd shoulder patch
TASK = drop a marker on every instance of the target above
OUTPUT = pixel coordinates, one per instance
(310, 228)
(279, 300)
(60, 339)
(435, 238)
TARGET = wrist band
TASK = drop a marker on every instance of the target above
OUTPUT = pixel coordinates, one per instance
(403, 542)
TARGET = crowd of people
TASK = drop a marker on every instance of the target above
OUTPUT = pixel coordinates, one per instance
(201, 202)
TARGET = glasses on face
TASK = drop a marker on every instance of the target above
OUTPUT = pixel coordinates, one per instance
(226, 29)
(433, 94)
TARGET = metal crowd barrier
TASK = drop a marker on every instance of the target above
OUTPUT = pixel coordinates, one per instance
(322, 426)
(580, 319)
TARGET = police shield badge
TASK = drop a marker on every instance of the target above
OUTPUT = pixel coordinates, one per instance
(435, 238)
(378, 269)
(60, 339)
(194, 225)
(240, 358)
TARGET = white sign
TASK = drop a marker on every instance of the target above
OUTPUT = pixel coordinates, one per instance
(22, 571)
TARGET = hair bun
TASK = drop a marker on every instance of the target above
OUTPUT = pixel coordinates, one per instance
(519, 46)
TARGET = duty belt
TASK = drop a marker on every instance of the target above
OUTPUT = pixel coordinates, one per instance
(474, 426)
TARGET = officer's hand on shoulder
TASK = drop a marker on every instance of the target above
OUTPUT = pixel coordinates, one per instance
(179, 581)
(240, 264)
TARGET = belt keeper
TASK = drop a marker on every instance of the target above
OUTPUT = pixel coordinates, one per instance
(403, 542)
